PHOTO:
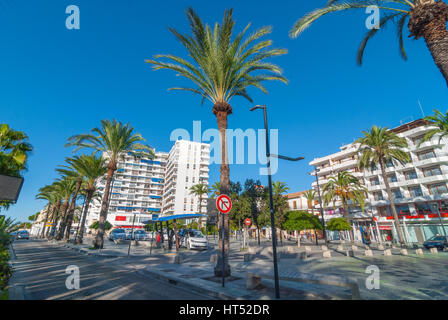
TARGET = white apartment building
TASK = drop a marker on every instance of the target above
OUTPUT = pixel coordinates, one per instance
(161, 186)
(187, 165)
(137, 188)
(419, 187)
(297, 201)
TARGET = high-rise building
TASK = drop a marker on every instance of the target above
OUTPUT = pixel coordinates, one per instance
(142, 187)
(187, 165)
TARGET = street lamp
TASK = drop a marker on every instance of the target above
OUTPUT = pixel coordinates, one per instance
(271, 201)
(316, 171)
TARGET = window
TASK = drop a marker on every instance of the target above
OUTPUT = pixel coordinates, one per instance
(403, 209)
(389, 164)
(416, 191)
(378, 196)
(411, 174)
(429, 154)
(433, 171)
(439, 188)
(294, 204)
(397, 193)
(392, 178)
(417, 140)
(375, 181)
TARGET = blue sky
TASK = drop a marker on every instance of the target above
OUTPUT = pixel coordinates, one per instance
(56, 82)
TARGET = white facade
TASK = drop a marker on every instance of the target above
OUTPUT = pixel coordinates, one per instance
(137, 188)
(297, 201)
(143, 187)
(187, 165)
(419, 187)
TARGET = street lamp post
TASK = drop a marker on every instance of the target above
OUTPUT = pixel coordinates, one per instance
(316, 171)
(271, 200)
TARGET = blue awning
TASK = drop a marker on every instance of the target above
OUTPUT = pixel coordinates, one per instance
(175, 216)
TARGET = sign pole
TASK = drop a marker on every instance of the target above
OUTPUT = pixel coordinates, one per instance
(223, 252)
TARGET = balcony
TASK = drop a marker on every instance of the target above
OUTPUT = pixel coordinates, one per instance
(431, 161)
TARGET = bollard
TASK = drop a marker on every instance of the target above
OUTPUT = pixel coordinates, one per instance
(326, 254)
(303, 255)
(434, 250)
(387, 252)
(252, 250)
(369, 253)
(354, 248)
(404, 252)
(291, 249)
(340, 247)
(381, 247)
(419, 252)
(350, 253)
(324, 248)
(307, 249)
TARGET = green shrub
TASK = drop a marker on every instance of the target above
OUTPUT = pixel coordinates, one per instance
(5, 271)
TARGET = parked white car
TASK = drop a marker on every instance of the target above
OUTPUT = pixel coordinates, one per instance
(193, 239)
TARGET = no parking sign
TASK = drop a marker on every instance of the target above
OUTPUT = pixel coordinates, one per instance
(224, 204)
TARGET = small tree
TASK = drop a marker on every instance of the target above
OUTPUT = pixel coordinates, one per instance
(301, 220)
(339, 224)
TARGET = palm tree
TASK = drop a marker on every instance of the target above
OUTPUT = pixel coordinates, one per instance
(48, 193)
(280, 203)
(113, 139)
(71, 171)
(14, 150)
(345, 187)
(91, 168)
(214, 189)
(222, 69)
(309, 196)
(66, 187)
(427, 19)
(381, 146)
(440, 122)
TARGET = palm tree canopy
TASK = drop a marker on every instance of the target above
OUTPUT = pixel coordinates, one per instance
(381, 144)
(14, 150)
(393, 11)
(309, 196)
(199, 189)
(89, 168)
(112, 138)
(344, 187)
(440, 122)
(278, 188)
(222, 68)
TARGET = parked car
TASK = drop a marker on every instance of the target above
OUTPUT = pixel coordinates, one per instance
(193, 239)
(439, 242)
(13, 235)
(23, 235)
(117, 234)
(139, 235)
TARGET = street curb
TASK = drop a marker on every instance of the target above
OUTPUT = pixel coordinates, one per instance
(200, 286)
(15, 292)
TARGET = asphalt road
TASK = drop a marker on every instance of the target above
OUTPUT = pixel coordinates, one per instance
(40, 274)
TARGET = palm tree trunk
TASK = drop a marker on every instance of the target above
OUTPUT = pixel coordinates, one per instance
(84, 216)
(429, 21)
(46, 219)
(221, 111)
(71, 210)
(347, 217)
(63, 220)
(56, 218)
(99, 238)
(391, 200)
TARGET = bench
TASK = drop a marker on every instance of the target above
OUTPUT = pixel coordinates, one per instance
(253, 280)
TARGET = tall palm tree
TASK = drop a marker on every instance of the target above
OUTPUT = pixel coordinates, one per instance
(66, 187)
(427, 19)
(222, 69)
(309, 196)
(71, 170)
(215, 189)
(345, 187)
(440, 122)
(200, 190)
(113, 139)
(380, 146)
(49, 194)
(91, 167)
(280, 203)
